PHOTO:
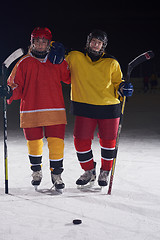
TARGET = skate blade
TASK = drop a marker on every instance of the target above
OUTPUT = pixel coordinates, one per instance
(53, 188)
(90, 187)
(86, 186)
(36, 188)
(103, 189)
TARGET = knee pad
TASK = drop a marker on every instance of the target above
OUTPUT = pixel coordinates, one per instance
(56, 147)
(35, 147)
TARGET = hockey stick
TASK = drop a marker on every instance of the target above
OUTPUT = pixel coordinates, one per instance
(5, 65)
(140, 59)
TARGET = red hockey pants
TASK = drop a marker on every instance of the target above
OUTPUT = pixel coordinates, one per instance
(83, 134)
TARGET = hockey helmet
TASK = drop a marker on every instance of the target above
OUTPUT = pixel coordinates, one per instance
(39, 32)
(98, 34)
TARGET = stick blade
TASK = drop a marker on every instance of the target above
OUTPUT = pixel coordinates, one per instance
(138, 60)
(149, 55)
(16, 54)
(141, 58)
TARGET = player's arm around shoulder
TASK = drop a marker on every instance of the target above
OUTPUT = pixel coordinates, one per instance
(57, 56)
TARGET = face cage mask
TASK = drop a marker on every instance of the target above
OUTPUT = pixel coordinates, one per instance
(91, 51)
(39, 54)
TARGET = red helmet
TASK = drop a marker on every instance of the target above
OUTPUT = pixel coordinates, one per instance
(39, 32)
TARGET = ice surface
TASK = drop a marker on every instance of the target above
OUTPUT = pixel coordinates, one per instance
(132, 212)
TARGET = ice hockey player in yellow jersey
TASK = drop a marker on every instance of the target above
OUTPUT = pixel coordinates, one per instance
(96, 81)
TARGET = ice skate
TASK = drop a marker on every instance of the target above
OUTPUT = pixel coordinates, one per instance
(37, 177)
(103, 178)
(87, 179)
(57, 182)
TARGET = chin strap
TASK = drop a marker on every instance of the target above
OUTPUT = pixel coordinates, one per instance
(39, 54)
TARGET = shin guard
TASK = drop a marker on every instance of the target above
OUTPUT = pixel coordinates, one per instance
(35, 154)
(107, 153)
(56, 152)
(84, 153)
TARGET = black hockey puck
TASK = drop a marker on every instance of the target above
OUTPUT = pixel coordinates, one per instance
(77, 221)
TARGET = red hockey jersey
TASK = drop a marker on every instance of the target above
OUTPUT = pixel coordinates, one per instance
(38, 85)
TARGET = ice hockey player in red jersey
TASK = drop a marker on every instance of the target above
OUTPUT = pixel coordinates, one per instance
(37, 82)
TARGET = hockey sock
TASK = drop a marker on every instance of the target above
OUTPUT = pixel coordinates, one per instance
(84, 153)
(107, 153)
(35, 154)
(56, 152)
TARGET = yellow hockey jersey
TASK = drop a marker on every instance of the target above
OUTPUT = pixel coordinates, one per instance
(94, 85)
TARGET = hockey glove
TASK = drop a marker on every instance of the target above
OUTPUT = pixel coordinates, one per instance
(125, 89)
(6, 91)
(57, 53)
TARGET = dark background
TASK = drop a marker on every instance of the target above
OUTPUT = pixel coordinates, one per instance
(132, 27)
